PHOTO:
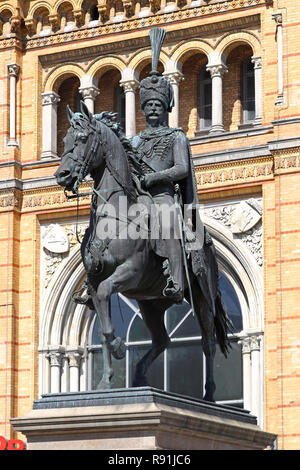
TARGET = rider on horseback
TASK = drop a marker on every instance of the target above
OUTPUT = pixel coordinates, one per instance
(165, 158)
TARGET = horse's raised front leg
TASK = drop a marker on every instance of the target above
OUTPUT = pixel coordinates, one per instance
(122, 279)
(153, 315)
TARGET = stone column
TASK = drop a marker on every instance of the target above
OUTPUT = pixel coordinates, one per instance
(174, 78)
(130, 87)
(49, 124)
(130, 84)
(258, 90)
(56, 358)
(74, 358)
(255, 375)
(246, 351)
(13, 72)
(277, 17)
(89, 95)
(217, 72)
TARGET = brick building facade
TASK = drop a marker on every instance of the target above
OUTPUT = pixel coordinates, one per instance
(234, 69)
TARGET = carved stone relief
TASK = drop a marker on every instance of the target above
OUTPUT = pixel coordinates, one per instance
(58, 243)
(244, 220)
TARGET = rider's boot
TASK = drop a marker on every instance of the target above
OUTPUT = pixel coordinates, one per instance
(174, 287)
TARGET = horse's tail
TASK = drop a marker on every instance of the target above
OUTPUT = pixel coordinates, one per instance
(223, 325)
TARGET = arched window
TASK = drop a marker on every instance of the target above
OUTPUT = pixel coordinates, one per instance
(181, 368)
(248, 91)
(205, 110)
(70, 348)
(69, 95)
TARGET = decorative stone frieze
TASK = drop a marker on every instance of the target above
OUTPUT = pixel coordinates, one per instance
(244, 220)
(237, 172)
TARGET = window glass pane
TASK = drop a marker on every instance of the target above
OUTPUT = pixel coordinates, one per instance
(207, 94)
(155, 374)
(228, 374)
(205, 109)
(250, 87)
(231, 302)
(175, 314)
(121, 315)
(207, 115)
(120, 105)
(138, 330)
(248, 90)
(189, 327)
(185, 368)
(118, 365)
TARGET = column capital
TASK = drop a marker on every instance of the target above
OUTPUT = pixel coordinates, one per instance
(257, 62)
(216, 70)
(89, 92)
(74, 357)
(246, 345)
(174, 77)
(255, 343)
(277, 17)
(129, 85)
(13, 70)
(55, 358)
(50, 98)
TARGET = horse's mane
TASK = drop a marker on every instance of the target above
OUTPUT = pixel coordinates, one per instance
(110, 120)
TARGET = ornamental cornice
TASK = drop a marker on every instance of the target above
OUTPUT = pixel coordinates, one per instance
(182, 13)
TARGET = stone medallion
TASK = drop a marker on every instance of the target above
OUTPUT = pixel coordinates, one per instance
(55, 239)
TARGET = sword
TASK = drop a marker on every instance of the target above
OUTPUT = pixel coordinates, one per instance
(180, 223)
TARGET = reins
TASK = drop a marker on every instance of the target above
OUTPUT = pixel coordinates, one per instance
(89, 154)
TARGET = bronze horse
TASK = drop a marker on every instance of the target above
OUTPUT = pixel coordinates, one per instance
(94, 145)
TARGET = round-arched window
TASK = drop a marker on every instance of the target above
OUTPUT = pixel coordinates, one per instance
(181, 368)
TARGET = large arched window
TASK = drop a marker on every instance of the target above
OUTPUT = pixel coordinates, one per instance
(70, 347)
(181, 368)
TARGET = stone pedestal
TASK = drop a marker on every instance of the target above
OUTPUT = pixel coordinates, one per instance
(137, 419)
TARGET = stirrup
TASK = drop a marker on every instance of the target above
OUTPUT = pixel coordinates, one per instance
(172, 291)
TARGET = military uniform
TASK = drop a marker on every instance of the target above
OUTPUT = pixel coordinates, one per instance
(164, 156)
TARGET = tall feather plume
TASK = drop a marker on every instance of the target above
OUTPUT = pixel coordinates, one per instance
(157, 36)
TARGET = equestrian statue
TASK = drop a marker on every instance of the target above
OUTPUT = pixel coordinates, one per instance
(153, 172)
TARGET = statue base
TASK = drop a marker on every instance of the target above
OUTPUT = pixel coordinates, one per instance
(137, 419)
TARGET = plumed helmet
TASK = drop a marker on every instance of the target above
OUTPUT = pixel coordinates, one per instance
(156, 86)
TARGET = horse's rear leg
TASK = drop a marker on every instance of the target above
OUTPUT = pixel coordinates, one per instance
(207, 325)
(108, 372)
(153, 315)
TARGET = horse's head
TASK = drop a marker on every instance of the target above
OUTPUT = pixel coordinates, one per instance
(80, 145)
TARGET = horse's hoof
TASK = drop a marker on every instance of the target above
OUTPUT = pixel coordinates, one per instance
(208, 397)
(117, 348)
(103, 385)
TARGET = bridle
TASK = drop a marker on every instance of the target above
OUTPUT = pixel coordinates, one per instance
(94, 140)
